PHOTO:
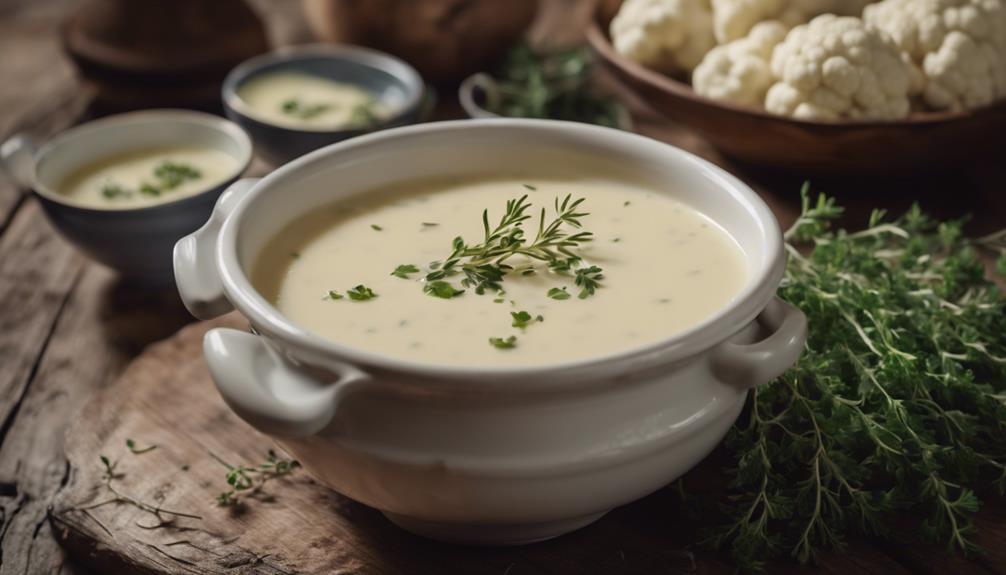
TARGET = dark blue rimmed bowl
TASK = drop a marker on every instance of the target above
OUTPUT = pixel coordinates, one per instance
(135, 241)
(391, 81)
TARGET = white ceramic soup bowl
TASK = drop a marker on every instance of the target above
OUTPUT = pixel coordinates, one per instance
(488, 455)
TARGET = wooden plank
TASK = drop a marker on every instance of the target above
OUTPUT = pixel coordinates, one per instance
(37, 271)
(104, 324)
(165, 398)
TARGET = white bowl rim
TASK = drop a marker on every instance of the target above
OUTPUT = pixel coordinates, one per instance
(349, 52)
(162, 115)
(742, 309)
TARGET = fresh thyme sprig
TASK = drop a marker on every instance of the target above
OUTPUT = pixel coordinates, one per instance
(139, 450)
(247, 480)
(484, 265)
(897, 403)
(111, 474)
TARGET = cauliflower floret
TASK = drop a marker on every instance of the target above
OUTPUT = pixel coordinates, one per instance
(733, 19)
(739, 71)
(835, 67)
(959, 47)
(666, 35)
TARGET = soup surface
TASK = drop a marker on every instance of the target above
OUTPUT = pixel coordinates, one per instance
(299, 100)
(147, 177)
(664, 267)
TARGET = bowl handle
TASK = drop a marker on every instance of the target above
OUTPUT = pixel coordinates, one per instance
(751, 364)
(17, 156)
(196, 271)
(266, 390)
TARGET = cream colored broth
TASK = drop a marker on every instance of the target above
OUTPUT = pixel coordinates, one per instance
(666, 268)
(118, 182)
(304, 101)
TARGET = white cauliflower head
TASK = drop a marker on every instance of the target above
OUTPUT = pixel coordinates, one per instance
(740, 71)
(733, 19)
(959, 46)
(666, 35)
(834, 67)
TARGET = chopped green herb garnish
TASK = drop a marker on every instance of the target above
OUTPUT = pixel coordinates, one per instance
(294, 107)
(364, 114)
(627, 203)
(522, 319)
(332, 294)
(530, 187)
(173, 174)
(112, 191)
(404, 270)
(503, 343)
(150, 190)
(589, 280)
(499, 300)
(558, 293)
(168, 175)
(430, 224)
(376, 227)
(361, 293)
(442, 289)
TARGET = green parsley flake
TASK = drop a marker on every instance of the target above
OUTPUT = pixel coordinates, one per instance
(361, 293)
(442, 289)
(503, 343)
(558, 293)
(404, 270)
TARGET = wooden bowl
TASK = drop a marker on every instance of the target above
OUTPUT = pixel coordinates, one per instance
(922, 142)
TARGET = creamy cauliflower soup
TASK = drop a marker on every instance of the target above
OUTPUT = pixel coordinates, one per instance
(385, 272)
(304, 101)
(147, 177)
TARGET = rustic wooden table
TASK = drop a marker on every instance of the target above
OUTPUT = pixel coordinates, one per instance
(68, 326)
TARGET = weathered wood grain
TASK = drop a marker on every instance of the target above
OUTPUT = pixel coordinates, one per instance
(165, 398)
(37, 271)
(103, 325)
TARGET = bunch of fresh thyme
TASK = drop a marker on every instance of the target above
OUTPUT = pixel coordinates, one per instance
(896, 404)
(553, 85)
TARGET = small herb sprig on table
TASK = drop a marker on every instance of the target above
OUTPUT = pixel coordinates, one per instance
(247, 480)
(898, 402)
(484, 264)
(112, 473)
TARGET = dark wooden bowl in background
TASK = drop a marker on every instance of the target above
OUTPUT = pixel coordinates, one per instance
(923, 142)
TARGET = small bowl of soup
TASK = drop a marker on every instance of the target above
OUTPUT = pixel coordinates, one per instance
(125, 188)
(493, 331)
(301, 98)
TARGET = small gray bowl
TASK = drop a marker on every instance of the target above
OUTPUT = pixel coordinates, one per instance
(393, 82)
(137, 241)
